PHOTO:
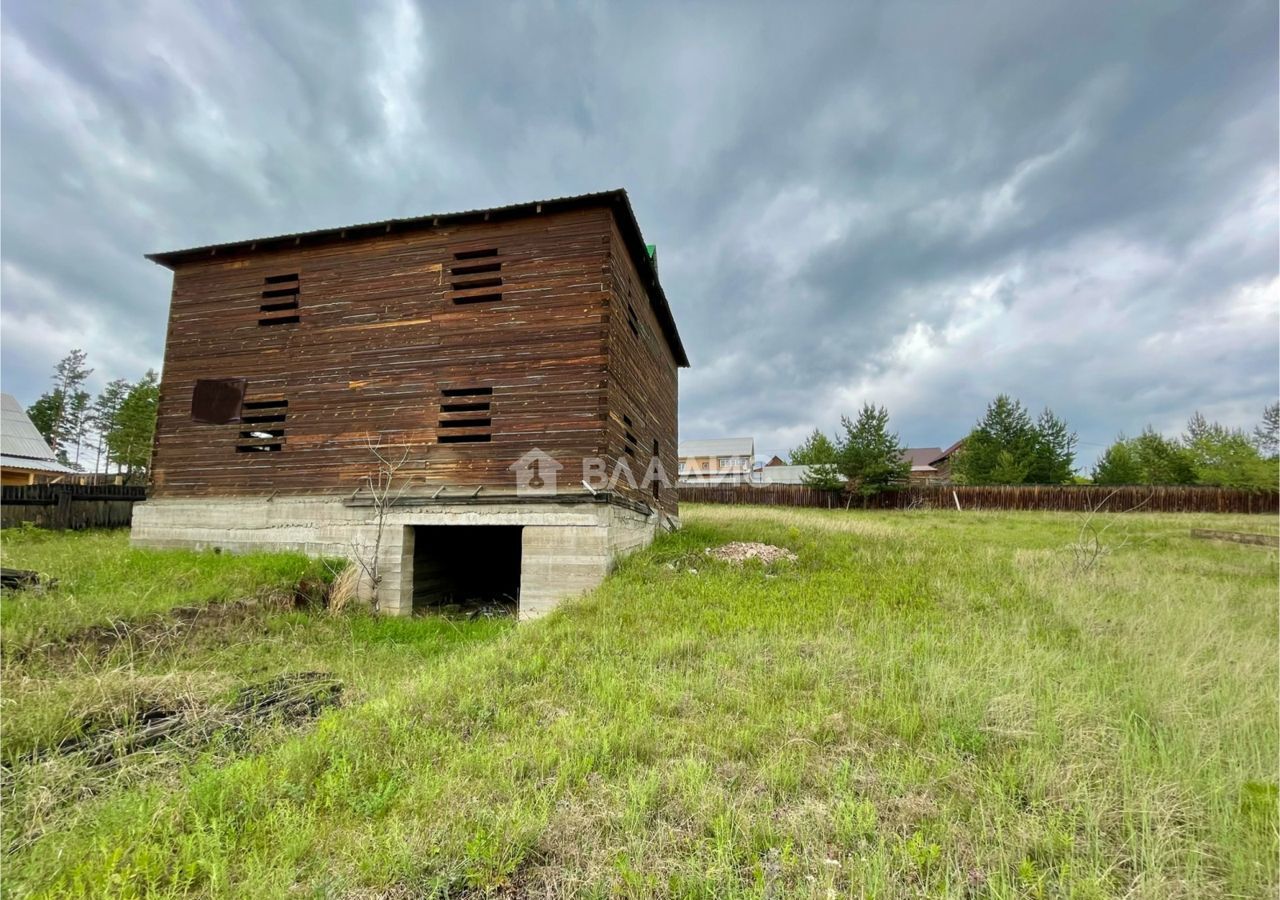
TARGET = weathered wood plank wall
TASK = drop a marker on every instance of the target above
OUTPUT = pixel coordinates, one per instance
(1162, 498)
(69, 506)
(641, 385)
(413, 340)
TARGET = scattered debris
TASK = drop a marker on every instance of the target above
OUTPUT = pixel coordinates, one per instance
(497, 606)
(21, 579)
(292, 697)
(289, 698)
(1239, 537)
(741, 551)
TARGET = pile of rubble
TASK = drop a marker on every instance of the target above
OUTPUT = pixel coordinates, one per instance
(740, 551)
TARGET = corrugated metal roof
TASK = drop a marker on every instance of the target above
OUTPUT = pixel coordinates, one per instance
(19, 439)
(616, 200)
(739, 446)
(38, 465)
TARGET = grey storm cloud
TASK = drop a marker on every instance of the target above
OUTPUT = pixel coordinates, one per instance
(910, 204)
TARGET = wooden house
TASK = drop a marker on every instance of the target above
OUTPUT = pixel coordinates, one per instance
(25, 457)
(717, 461)
(500, 359)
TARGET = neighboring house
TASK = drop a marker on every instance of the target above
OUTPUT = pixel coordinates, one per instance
(921, 459)
(717, 461)
(784, 474)
(942, 462)
(501, 355)
(776, 461)
(25, 457)
(930, 465)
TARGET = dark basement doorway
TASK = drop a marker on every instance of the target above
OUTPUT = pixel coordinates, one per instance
(466, 569)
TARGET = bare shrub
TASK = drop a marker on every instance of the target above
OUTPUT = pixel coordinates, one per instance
(1092, 543)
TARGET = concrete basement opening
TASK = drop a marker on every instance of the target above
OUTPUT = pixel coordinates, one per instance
(466, 568)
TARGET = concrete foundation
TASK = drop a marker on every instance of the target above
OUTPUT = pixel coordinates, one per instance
(566, 547)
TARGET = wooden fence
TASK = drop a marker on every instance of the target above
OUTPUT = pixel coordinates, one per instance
(75, 506)
(1138, 498)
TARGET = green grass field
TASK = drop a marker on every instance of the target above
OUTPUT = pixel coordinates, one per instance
(924, 704)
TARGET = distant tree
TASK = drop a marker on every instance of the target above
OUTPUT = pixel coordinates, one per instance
(1009, 469)
(1118, 464)
(1007, 447)
(819, 453)
(44, 413)
(1226, 456)
(1162, 460)
(69, 376)
(1053, 455)
(77, 421)
(1001, 447)
(129, 442)
(868, 455)
(1266, 437)
(822, 477)
(104, 413)
(816, 449)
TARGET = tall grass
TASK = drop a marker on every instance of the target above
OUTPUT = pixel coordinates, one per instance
(923, 704)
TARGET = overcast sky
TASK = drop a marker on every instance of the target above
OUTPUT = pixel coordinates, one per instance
(917, 205)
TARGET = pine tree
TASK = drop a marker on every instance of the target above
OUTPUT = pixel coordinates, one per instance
(106, 409)
(44, 414)
(1054, 451)
(1161, 460)
(868, 455)
(69, 376)
(817, 448)
(130, 440)
(77, 424)
(1266, 437)
(1007, 447)
(1225, 456)
(1001, 445)
(1118, 464)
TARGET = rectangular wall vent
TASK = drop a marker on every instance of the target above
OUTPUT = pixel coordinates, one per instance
(463, 280)
(629, 445)
(466, 420)
(262, 426)
(280, 300)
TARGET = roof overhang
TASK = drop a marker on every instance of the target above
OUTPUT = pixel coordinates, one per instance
(29, 464)
(615, 200)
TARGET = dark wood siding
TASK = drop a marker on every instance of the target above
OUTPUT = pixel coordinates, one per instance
(379, 335)
(642, 380)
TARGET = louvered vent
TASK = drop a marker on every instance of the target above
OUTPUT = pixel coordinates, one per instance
(476, 276)
(262, 426)
(465, 415)
(280, 300)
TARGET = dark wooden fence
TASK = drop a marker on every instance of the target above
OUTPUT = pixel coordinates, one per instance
(1163, 498)
(69, 505)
